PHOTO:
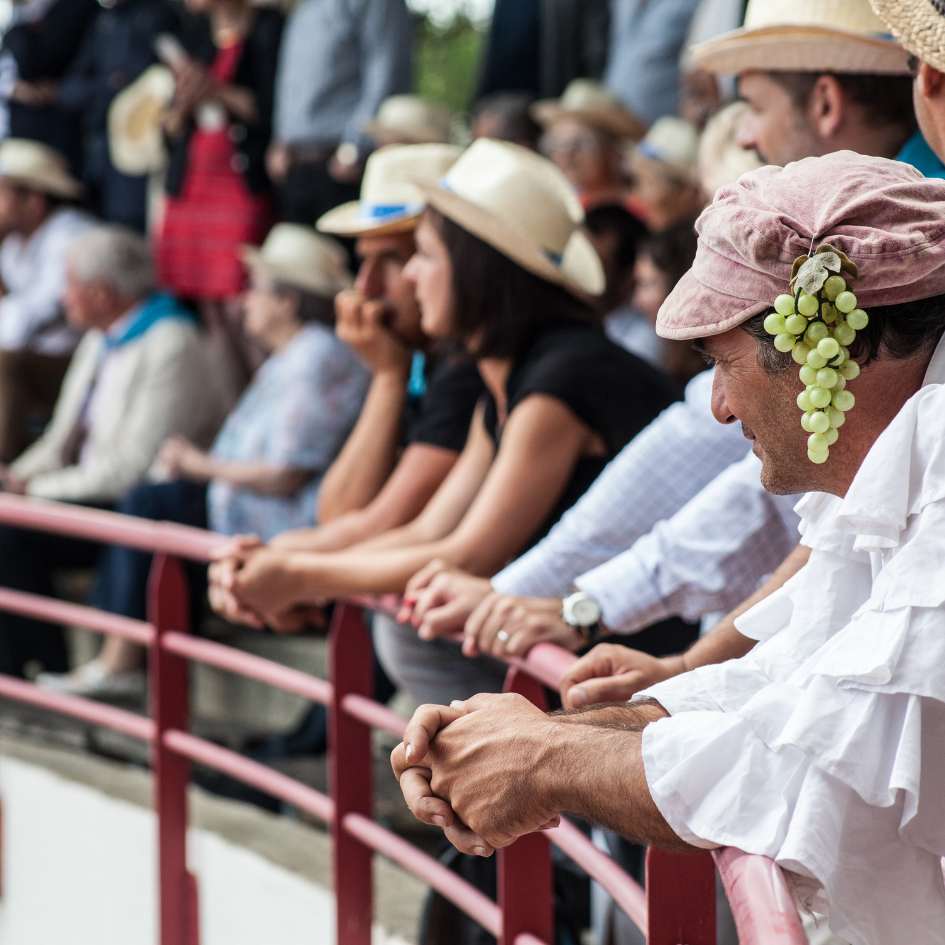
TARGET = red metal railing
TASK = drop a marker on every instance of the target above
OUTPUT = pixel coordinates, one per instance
(678, 904)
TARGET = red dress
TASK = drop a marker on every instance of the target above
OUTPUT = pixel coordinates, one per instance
(214, 213)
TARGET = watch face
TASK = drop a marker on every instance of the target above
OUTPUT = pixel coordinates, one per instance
(585, 611)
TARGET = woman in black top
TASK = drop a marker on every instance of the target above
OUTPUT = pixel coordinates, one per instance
(562, 399)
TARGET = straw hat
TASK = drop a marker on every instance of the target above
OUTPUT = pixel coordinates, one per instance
(300, 257)
(674, 144)
(919, 25)
(409, 119)
(135, 141)
(722, 160)
(37, 167)
(390, 201)
(522, 205)
(590, 102)
(807, 36)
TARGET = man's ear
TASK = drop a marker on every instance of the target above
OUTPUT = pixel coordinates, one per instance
(826, 106)
(931, 82)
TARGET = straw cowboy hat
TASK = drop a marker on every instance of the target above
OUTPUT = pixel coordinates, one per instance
(390, 200)
(522, 205)
(807, 36)
(37, 167)
(594, 104)
(672, 143)
(919, 25)
(135, 141)
(296, 255)
(409, 119)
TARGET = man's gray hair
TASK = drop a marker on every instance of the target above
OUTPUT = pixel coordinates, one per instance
(117, 256)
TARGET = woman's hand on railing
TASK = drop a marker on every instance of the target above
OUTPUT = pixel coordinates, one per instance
(440, 598)
(503, 626)
(614, 673)
(228, 559)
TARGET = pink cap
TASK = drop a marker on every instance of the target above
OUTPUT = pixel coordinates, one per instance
(887, 217)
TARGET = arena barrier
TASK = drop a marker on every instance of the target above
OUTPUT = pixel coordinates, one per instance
(677, 905)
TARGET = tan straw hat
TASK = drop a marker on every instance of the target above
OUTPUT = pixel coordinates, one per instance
(37, 167)
(298, 256)
(409, 119)
(594, 104)
(919, 25)
(672, 143)
(807, 36)
(135, 140)
(522, 205)
(390, 200)
(722, 160)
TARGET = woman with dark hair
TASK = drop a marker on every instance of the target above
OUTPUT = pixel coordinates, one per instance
(503, 270)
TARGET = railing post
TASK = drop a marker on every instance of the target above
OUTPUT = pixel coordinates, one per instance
(168, 610)
(680, 897)
(526, 894)
(350, 770)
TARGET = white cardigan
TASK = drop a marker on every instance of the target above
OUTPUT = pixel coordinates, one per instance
(158, 385)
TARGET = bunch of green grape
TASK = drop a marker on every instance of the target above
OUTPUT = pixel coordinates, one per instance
(817, 330)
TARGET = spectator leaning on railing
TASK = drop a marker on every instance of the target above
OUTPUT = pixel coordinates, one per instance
(139, 376)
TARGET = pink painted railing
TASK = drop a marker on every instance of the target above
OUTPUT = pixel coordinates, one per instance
(677, 905)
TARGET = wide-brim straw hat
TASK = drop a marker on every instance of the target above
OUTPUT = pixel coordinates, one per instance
(409, 119)
(673, 144)
(592, 103)
(135, 139)
(296, 255)
(919, 25)
(37, 167)
(842, 36)
(390, 200)
(722, 160)
(520, 204)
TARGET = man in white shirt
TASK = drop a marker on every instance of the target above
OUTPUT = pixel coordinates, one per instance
(821, 747)
(37, 224)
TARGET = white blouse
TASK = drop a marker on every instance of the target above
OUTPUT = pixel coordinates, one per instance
(824, 747)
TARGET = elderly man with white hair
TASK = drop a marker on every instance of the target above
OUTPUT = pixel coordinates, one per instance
(138, 377)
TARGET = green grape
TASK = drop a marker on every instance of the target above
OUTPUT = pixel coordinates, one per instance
(858, 319)
(819, 458)
(774, 324)
(837, 417)
(819, 397)
(784, 305)
(828, 313)
(799, 353)
(840, 385)
(827, 377)
(834, 286)
(805, 421)
(808, 375)
(816, 360)
(816, 333)
(845, 302)
(850, 370)
(843, 400)
(804, 401)
(844, 334)
(796, 324)
(808, 305)
(817, 442)
(819, 422)
(828, 347)
(784, 343)
(832, 436)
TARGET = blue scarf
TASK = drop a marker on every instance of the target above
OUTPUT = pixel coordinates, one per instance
(156, 308)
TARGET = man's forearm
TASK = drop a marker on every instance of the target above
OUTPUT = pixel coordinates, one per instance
(624, 717)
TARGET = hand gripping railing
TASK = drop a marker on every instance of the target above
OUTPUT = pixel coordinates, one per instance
(677, 906)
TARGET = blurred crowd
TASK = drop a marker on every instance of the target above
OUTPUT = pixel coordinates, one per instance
(252, 282)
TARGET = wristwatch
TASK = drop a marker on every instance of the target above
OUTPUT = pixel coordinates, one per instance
(582, 613)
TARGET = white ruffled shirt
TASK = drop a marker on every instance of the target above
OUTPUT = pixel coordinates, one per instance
(824, 747)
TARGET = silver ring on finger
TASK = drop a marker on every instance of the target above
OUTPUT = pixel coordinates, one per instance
(503, 637)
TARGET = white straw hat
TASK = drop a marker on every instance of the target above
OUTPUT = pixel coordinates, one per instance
(37, 167)
(390, 200)
(806, 36)
(409, 119)
(722, 160)
(300, 257)
(671, 142)
(594, 104)
(919, 25)
(522, 205)
(135, 139)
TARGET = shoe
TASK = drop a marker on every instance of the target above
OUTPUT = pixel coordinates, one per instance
(93, 681)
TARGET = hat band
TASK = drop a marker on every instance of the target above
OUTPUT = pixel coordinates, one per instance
(384, 211)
